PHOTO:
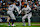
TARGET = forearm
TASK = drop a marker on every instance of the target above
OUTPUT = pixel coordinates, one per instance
(17, 9)
(20, 11)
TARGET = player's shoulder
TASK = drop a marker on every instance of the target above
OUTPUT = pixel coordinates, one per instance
(11, 5)
(23, 8)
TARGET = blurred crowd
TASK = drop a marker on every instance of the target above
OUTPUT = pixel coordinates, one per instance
(4, 4)
(34, 5)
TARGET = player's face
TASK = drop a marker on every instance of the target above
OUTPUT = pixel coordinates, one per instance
(14, 3)
(25, 6)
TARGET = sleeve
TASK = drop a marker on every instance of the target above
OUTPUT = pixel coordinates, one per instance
(17, 8)
(29, 9)
(21, 10)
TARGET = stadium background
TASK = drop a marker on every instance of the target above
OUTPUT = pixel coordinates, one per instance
(34, 4)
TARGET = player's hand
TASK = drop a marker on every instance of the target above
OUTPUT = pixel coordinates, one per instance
(19, 12)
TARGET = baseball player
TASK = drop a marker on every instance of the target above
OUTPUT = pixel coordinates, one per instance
(28, 15)
(10, 12)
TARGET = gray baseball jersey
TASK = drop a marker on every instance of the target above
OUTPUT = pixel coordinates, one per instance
(28, 16)
(10, 11)
(26, 10)
(11, 8)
